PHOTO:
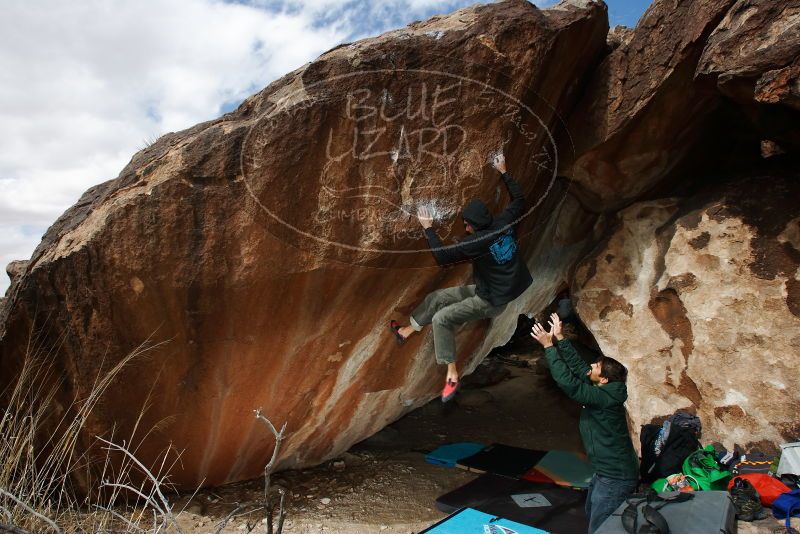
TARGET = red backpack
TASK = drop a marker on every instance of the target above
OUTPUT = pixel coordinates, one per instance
(768, 488)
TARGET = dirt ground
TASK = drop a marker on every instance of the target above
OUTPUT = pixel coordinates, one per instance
(384, 485)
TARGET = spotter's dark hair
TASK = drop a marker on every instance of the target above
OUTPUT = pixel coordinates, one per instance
(612, 370)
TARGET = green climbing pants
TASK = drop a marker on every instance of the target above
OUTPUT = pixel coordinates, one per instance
(446, 309)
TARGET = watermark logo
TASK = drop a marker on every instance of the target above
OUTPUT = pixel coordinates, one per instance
(340, 166)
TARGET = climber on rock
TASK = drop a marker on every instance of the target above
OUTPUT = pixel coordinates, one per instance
(499, 272)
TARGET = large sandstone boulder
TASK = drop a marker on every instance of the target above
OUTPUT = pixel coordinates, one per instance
(694, 87)
(753, 56)
(643, 113)
(701, 300)
(268, 249)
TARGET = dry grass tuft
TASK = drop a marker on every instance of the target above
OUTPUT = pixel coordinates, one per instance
(42, 466)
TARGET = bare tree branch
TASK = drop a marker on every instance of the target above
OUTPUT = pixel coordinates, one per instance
(281, 513)
(233, 514)
(228, 518)
(13, 529)
(279, 436)
(149, 500)
(278, 439)
(31, 510)
(153, 479)
(165, 509)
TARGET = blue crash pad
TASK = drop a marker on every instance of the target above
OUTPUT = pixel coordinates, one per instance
(448, 455)
(469, 521)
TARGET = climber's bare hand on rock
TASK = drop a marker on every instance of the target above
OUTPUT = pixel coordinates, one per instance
(499, 163)
(425, 217)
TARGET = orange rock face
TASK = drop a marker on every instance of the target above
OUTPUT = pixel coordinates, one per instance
(269, 248)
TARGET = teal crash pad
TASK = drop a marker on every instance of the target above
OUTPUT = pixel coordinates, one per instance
(448, 455)
(470, 521)
(565, 468)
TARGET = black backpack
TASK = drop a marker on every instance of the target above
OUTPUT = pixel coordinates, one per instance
(680, 443)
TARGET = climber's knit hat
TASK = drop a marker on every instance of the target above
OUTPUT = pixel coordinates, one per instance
(477, 214)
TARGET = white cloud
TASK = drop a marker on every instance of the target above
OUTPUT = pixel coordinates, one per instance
(83, 85)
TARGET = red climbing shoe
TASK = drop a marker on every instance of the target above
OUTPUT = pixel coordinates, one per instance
(450, 389)
(394, 326)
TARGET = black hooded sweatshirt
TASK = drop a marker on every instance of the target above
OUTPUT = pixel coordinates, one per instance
(497, 283)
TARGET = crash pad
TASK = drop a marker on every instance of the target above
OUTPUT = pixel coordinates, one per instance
(479, 490)
(706, 511)
(554, 508)
(536, 476)
(502, 460)
(468, 521)
(565, 468)
(448, 455)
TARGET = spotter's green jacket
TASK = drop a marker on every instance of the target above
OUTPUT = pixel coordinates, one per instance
(603, 425)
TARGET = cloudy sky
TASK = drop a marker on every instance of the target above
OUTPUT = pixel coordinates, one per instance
(84, 84)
